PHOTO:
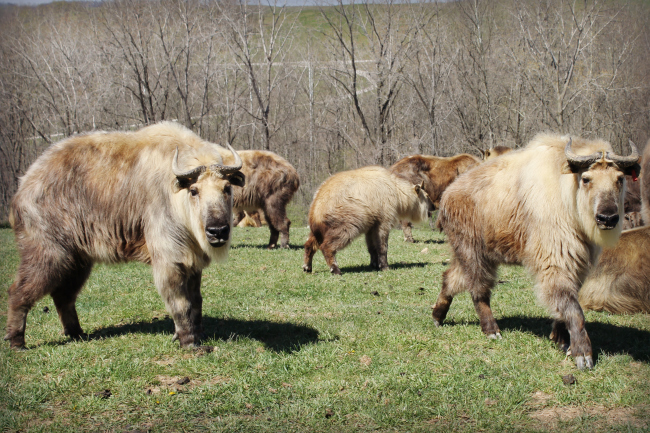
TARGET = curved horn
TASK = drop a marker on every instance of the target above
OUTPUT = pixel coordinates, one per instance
(227, 169)
(580, 160)
(195, 172)
(624, 161)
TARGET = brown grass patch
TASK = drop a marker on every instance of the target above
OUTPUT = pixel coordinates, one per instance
(605, 416)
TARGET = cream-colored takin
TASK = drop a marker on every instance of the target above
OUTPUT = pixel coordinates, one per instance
(159, 195)
(369, 201)
(550, 207)
(434, 173)
(620, 282)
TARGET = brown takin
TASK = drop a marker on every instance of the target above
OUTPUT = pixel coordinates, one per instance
(370, 201)
(550, 207)
(620, 282)
(495, 151)
(245, 219)
(434, 173)
(160, 195)
(270, 184)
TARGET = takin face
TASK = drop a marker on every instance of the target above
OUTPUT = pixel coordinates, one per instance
(601, 191)
(208, 199)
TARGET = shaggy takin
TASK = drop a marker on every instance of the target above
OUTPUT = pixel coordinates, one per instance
(434, 173)
(620, 282)
(368, 200)
(270, 184)
(159, 195)
(550, 207)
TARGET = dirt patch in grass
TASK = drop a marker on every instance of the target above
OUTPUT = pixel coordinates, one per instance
(604, 416)
(182, 383)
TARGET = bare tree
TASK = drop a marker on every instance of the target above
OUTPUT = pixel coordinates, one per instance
(260, 39)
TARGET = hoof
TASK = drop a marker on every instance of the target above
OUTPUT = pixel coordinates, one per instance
(306, 268)
(335, 271)
(584, 361)
(175, 337)
(436, 323)
(496, 336)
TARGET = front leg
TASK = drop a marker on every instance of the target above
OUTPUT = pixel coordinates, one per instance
(561, 295)
(180, 289)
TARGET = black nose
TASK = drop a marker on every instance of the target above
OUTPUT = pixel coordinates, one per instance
(608, 221)
(218, 234)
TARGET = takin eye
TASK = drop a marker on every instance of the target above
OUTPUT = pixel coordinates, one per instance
(585, 180)
(194, 191)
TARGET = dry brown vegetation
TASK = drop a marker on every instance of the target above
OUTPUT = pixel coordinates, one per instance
(328, 88)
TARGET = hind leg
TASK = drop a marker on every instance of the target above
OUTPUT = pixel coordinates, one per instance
(311, 246)
(65, 296)
(372, 242)
(329, 252)
(275, 213)
(453, 282)
(37, 276)
(407, 229)
(457, 279)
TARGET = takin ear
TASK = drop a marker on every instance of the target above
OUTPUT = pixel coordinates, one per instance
(568, 168)
(634, 170)
(237, 178)
(179, 184)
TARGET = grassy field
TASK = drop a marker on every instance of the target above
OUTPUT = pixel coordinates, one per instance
(316, 353)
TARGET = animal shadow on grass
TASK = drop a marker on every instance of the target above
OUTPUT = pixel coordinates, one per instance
(277, 336)
(367, 268)
(604, 337)
(431, 241)
(265, 246)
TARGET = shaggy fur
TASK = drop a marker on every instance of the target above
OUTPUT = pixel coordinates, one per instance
(434, 173)
(620, 282)
(113, 197)
(531, 207)
(270, 184)
(369, 201)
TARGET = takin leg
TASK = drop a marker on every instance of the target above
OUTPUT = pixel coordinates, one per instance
(382, 241)
(481, 293)
(329, 252)
(453, 282)
(479, 283)
(65, 296)
(40, 272)
(407, 228)
(311, 246)
(179, 289)
(196, 312)
(334, 241)
(372, 242)
(561, 295)
(275, 213)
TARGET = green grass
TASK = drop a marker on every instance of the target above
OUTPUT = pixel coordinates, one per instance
(317, 353)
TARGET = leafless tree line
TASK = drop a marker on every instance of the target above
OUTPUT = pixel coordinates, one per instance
(330, 87)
